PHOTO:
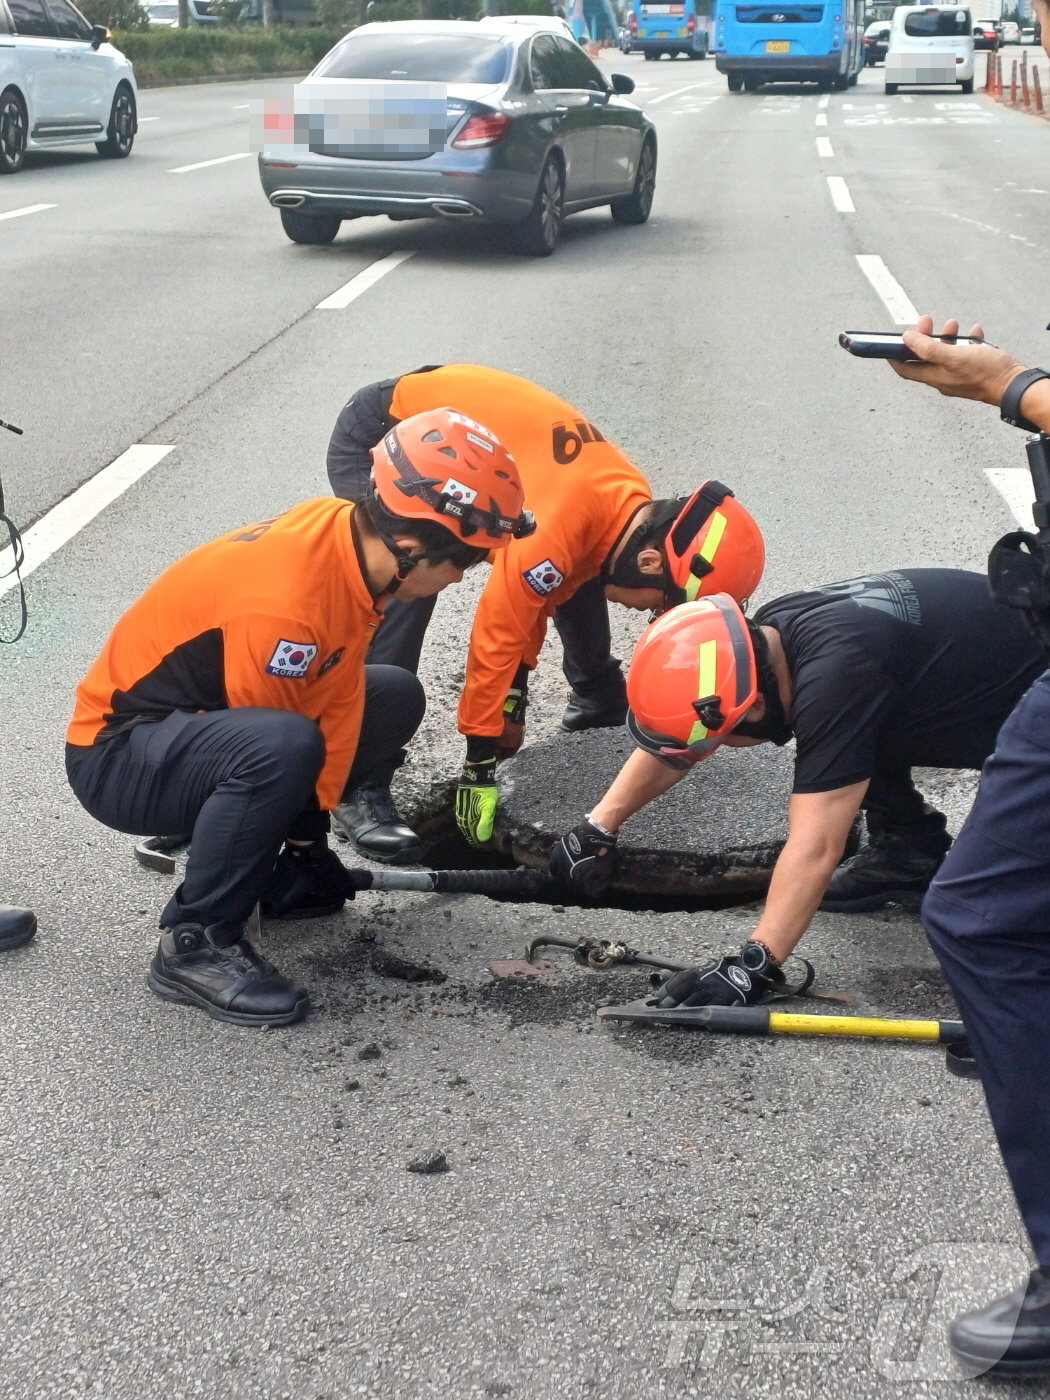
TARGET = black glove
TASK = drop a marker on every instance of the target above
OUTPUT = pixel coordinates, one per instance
(307, 882)
(585, 858)
(740, 979)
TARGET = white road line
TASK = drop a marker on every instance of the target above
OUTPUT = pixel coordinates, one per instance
(677, 92)
(27, 209)
(201, 164)
(906, 98)
(70, 516)
(339, 300)
(824, 147)
(840, 195)
(147, 119)
(1014, 484)
(824, 101)
(891, 293)
(822, 119)
(240, 106)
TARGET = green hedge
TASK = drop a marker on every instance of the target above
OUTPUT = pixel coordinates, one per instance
(171, 55)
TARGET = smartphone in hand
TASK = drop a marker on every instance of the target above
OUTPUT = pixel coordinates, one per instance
(877, 345)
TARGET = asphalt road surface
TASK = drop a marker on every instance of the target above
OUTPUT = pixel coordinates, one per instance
(188, 1209)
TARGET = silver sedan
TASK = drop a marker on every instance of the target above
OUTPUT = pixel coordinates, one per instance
(456, 120)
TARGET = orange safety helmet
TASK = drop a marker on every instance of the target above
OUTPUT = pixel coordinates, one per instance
(443, 467)
(713, 546)
(693, 676)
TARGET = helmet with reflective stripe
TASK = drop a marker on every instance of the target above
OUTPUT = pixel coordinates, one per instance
(443, 467)
(713, 546)
(693, 676)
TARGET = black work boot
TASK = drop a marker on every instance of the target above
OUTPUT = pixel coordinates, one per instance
(228, 980)
(17, 926)
(1011, 1335)
(368, 818)
(594, 712)
(888, 870)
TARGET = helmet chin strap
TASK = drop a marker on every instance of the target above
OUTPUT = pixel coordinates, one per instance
(773, 726)
(625, 573)
(404, 564)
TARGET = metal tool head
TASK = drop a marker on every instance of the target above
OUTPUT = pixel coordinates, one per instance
(158, 852)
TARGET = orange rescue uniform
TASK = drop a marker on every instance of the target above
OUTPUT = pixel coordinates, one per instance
(276, 615)
(582, 491)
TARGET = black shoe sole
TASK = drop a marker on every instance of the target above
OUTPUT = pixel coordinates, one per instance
(983, 1366)
(174, 991)
(597, 723)
(868, 903)
(18, 940)
(320, 911)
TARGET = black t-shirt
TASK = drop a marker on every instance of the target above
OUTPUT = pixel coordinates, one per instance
(919, 666)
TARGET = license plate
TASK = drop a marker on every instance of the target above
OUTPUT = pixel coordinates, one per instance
(778, 46)
(662, 33)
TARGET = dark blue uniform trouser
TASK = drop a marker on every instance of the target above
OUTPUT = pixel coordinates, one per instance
(987, 915)
(582, 624)
(241, 781)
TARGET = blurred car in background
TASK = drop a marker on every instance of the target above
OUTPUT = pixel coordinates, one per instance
(165, 13)
(1011, 32)
(876, 42)
(1028, 34)
(986, 34)
(62, 83)
(623, 40)
(456, 120)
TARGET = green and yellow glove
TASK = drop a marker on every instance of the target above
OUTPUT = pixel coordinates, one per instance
(477, 796)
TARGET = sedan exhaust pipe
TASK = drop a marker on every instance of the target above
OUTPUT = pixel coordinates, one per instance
(288, 201)
(451, 210)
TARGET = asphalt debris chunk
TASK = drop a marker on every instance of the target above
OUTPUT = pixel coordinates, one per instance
(390, 965)
(429, 1164)
(371, 1051)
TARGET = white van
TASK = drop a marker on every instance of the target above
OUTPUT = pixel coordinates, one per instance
(931, 46)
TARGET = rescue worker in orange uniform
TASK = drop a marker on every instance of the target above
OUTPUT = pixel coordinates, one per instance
(233, 700)
(600, 536)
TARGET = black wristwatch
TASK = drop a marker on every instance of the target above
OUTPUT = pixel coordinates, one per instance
(1010, 408)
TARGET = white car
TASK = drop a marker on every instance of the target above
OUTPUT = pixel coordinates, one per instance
(1011, 32)
(62, 83)
(930, 46)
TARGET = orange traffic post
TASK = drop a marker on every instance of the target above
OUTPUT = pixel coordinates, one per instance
(1013, 83)
(1037, 92)
(1026, 96)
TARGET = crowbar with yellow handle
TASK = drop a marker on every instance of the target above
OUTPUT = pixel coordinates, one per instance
(761, 1020)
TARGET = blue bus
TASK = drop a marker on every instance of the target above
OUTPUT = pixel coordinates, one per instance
(789, 43)
(656, 27)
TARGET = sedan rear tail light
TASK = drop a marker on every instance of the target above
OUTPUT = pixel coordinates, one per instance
(486, 130)
(960, 60)
(632, 24)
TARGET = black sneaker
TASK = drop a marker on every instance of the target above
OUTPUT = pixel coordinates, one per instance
(594, 712)
(232, 983)
(1011, 1335)
(878, 875)
(17, 926)
(370, 821)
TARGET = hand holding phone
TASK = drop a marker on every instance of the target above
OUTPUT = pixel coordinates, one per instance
(879, 345)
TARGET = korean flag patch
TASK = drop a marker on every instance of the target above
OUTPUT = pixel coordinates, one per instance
(543, 578)
(465, 494)
(290, 660)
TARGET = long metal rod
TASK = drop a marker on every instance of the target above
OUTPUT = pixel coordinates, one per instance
(760, 1020)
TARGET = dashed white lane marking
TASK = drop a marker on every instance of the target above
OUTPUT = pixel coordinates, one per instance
(240, 106)
(148, 119)
(906, 98)
(70, 516)
(823, 101)
(840, 195)
(27, 209)
(676, 92)
(361, 283)
(202, 164)
(1014, 484)
(824, 148)
(892, 294)
(822, 119)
